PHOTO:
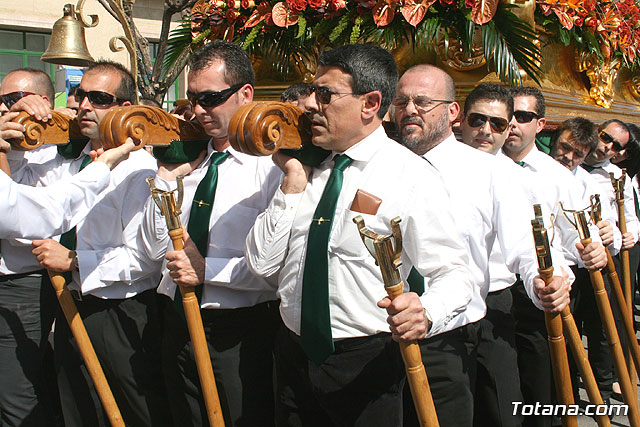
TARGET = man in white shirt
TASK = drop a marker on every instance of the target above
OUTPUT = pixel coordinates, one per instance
(554, 184)
(336, 363)
(239, 309)
(28, 303)
(114, 286)
(489, 210)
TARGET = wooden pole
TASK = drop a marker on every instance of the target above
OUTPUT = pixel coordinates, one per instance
(86, 349)
(604, 307)
(581, 359)
(200, 348)
(559, 360)
(416, 374)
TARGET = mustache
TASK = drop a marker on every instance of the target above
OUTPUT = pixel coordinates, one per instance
(412, 121)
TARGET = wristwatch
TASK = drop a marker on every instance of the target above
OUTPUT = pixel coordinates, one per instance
(74, 263)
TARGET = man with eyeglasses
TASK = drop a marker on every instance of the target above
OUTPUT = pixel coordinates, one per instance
(114, 287)
(490, 210)
(239, 310)
(336, 362)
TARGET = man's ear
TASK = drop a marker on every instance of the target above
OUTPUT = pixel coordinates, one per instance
(126, 103)
(541, 123)
(454, 111)
(246, 94)
(371, 104)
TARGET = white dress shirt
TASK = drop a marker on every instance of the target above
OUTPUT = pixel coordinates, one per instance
(245, 186)
(38, 213)
(601, 174)
(608, 212)
(490, 209)
(110, 265)
(410, 189)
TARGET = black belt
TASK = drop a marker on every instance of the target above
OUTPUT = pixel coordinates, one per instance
(7, 277)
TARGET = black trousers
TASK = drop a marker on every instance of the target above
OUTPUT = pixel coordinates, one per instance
(450, 360)
(534, 362)
(497, 380)
(241, 349)
(27, 308)
(126, 335)
(360, 384)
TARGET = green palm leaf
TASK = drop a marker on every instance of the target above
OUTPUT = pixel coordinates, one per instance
(179, 40)
(508, 42)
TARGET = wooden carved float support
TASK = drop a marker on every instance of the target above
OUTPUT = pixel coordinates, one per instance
(60, 129)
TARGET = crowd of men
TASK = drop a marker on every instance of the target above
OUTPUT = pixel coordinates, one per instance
(298, 325)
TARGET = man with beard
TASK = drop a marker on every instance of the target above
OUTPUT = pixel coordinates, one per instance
(490, 210)
(113, 286)
(554, 184)
(336, 362)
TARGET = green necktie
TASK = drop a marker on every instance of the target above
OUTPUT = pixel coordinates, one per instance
(588, 168)
(68, 239)
(520, 163)
(415, 281)
(198, 225)
(315, 324)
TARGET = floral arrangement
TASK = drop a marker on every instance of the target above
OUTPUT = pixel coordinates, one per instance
(606, 28)
(279, 30)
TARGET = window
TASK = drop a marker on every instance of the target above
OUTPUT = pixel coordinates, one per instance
(23, 49)
(173, 92)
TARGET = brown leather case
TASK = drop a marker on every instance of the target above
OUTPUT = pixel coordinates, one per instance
(365, 203)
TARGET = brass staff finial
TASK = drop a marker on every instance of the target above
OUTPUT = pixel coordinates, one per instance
(540, 239)
(167, 203)
(386, 250)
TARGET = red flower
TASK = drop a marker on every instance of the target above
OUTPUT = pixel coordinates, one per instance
(297, 5)
(469, 4)
(337, 4)
(316, 4)
(447, 2)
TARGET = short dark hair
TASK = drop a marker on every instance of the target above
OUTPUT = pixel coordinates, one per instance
(583, 131)
(126, 90)
(633, 146)
(72, 90)
(41, 82)
(294, 92)
(238, 68)
(371, 68)
(490, 92)
(534, 92)
(620, 123)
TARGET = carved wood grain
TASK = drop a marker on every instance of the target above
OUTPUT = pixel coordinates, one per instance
(58, 130)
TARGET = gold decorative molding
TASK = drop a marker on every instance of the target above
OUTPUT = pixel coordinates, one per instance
(634, 86)
(602, 74)
(452, 53)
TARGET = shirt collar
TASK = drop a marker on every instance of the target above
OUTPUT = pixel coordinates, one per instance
(364, 150)
(235, 154)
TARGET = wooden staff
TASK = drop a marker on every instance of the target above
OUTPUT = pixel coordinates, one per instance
(604, 307)
(86, 349)
(618, 186)
(553, 321)
(388, 258)
(170, 209)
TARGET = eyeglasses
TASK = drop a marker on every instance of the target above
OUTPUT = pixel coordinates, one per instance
(209, 99)
(525, 116)
(615, 145)
(98, 98)
(498, 124)
(324, 94)
(422, 103)
(11, 98)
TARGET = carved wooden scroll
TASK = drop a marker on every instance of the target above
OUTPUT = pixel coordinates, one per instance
(58, 130)
(262, 128)
(149, 125)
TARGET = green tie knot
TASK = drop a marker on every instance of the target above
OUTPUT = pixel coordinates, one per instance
(219, 157)
(520, 163)
(341, 161)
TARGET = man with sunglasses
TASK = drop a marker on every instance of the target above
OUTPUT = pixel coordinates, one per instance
(239, 310)
(424, 111)
(114, 287)
(336, 361)
(30, 304)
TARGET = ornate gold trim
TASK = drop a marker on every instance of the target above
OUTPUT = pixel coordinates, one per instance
(602, 74)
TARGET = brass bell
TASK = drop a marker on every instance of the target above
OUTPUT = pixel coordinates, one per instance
(68, 45)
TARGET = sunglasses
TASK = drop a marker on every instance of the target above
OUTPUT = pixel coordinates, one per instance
(525, 116)
(498, 124)
(98, 98)
(324, 94)
(615, 145)
(11, 98)
(209, 99)
(422, 103)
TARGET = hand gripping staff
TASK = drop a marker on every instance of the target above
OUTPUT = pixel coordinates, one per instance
(388, 258)
(553, 321)
(604, 307)
(618, 186)
(170, 209)
(614, 281)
